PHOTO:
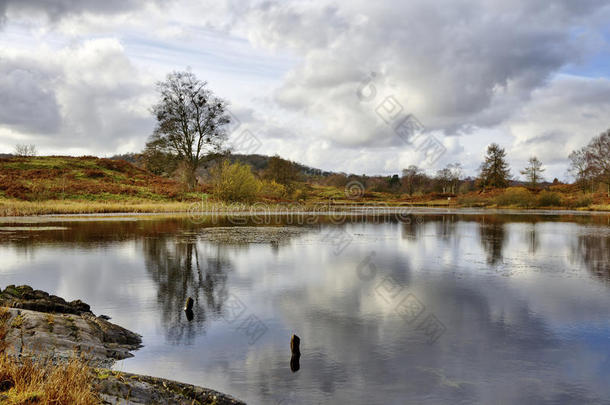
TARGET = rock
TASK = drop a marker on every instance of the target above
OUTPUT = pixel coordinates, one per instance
(38, 335)
(125, 388)
(46, 327)
(25, 297)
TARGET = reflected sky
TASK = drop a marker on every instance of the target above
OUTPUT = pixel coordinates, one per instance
(523, 302)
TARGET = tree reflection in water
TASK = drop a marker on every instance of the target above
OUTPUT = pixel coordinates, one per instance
(594, 251)
(493, 237)
(533, 239)
(180, 271)
(446, 227)
(412, 227)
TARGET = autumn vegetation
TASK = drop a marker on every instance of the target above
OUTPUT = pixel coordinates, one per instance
(188, 159)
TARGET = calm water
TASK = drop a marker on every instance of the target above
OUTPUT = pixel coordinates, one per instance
(444, 309)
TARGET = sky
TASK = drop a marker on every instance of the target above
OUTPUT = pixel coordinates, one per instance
(318, 82)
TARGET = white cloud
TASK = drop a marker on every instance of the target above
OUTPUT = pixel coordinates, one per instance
(87, 97)
(560, 118)
(472, 71)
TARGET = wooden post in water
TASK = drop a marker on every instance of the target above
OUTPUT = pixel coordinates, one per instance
(295, 343)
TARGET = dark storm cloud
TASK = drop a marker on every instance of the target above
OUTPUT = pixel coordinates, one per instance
(87, 97)
(27, 97)
(56, 9)
(455, 64)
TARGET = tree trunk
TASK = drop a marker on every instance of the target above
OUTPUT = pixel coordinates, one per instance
(189, 176)
(191, 180)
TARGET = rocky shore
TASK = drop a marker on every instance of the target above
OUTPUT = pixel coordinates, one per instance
(45, 327)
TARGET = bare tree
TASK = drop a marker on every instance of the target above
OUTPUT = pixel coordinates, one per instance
(191, 122)
(533, 172)
(592, 163)
(598, 158)
(411, 177)
(25, 150)
(456, 173)
(444, 179)
(579, 168)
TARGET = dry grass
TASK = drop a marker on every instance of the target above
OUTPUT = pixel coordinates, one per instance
(4, 316)
(11, 207)
(24, 208)
(600, 207)
(84, 178)
(31, 383)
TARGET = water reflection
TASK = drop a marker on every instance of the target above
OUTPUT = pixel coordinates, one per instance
(180, 271)
(536, 332)
(594, 251)
(493, 237)
(533, 239)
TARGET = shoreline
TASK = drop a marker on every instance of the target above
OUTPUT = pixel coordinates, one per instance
(43, 329)
(348, 211)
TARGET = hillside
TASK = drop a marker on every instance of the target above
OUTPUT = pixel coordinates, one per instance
(77, 185)
(81, 178)
(260, 162)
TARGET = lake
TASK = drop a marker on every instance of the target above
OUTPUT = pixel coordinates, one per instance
(431, 307)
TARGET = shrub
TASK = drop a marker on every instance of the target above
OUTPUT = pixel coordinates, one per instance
(473, 201)
(549, 199)
(271, 189)
(94, 174)
(583, 201)
(299, 193)
(580, 201)
(516, 196)
(234, 182)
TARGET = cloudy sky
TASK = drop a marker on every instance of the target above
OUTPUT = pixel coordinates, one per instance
(77, 76)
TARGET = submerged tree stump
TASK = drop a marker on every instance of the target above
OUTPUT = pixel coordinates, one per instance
(295, 343)
(188, 306)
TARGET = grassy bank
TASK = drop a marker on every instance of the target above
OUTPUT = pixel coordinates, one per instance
(90, 185)
(26, 208)
(81, 185)
(9, 208)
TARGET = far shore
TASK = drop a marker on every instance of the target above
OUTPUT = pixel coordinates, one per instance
(63, 208)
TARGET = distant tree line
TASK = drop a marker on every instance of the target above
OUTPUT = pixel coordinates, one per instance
(590, 165)
(189, 144)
